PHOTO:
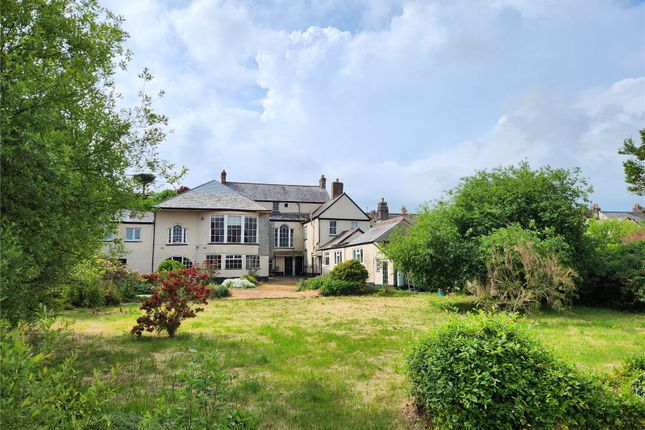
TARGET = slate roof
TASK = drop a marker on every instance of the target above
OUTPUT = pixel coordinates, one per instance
(380, 232)
(137, 217)
(341, 239)
(211, 195)
(288, 216)
(622, 215)
(280, 192)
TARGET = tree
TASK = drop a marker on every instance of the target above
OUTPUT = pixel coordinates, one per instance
(441, 250)
(634, 167)
(143, 180)
(67, 151)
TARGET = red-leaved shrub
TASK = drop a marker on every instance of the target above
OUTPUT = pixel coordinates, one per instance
(172, 300)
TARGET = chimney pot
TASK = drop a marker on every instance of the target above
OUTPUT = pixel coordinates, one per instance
(336, 189)
(404, 211)
(637, 208)
(223, 177)
(322, 182)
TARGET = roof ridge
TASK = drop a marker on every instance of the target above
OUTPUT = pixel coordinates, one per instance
(267, 183)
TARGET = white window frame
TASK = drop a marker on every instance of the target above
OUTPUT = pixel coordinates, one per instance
(183, 260)
(283, 237)
(241, 225)
(232, 258)
(213, 235)
(212, 258)
(275, 207)
(354, 225)
(135, 237)
(338, 257)
(183, 234)
(333, 227)
(357, 254)
(326, 258)
(248, 228)
(252, 258)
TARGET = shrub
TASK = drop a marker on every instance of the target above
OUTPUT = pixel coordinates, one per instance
(338, 287)
(486, 372)
(615, 276)
(312, 284)
(523, 272)
(238, 283)
(172, 300)
(197, 400)
(350, 270)
(219, 291)
(39, 393)
(169, 266)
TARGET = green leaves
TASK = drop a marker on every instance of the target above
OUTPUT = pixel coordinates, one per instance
(635, 166)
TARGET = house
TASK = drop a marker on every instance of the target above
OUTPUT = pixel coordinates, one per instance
(242, 227)
(637, 214)
(367, 247)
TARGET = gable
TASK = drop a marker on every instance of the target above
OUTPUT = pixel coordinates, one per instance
(343, 207)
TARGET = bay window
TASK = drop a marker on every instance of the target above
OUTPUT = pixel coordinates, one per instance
(234, 229)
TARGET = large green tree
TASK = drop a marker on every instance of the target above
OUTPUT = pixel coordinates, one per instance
(635, 166)
(442, 249)
(68, 150)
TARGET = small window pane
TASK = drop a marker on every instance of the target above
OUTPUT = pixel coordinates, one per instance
(252, 262)
(132, 233)
(214, 260)
(276, 207)
(250, 230)
(332, 228)
(234, 230)
(233, 262)
(178, 235)
(354, 224)
(217, 229)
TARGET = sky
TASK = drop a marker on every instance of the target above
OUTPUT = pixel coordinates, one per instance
(398, 99)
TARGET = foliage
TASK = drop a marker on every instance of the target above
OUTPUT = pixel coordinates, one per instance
(389, 292)
(172, 300)
(312, 283)
(238, 283)
(433, 253)
(486, 372)
(350, 270)
(523, 272)
(37, 392)
(197, 400)
(616, 276)
(635, 166)
(158, 197)
(219, 291)
(630, 377)
(143, 180)
(440, 250)
(169, 266)
(67, 148)
(338, 287)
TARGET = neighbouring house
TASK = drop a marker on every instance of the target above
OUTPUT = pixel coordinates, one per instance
(367, 247)
(637, 214)
(242, 227)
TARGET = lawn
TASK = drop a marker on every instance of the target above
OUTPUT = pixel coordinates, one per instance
(322, 363)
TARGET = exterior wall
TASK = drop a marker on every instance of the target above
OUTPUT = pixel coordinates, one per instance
(373, 259)
(341, 225)
(292, 207)
(298, 237)
(138, 254)
(197, 245)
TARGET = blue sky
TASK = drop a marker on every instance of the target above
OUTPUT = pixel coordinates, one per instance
(398, 99)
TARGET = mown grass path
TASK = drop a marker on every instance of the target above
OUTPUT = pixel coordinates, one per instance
(322, 363)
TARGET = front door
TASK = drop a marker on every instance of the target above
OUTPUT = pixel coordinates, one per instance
(298, 268)
(385, 273)
(288, 266)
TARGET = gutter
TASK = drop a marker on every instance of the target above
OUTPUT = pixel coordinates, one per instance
(154, 231)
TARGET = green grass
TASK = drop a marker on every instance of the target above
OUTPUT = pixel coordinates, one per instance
(322, 363)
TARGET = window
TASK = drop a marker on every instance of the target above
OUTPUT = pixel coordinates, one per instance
(286, 205)
(338, 257)
(326, 259)
(332, 228)
(234, 229)
(357, 254)
(276, 207)
(133, 234)
(283, 237)
(233, 262)
(177, 234)
(183, 260)
(354, 224)
(109, 237)
(214, 260)
(123, 261)
(250, 230)
(252, 262)
(217, 229)
(270, 263)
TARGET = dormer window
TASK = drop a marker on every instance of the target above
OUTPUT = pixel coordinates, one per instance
(177, 234)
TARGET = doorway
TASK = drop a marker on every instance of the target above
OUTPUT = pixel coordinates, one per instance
(298, 266)
(385, 274)
(288, 266)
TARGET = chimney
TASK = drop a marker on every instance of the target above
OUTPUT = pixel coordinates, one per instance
(382, 211)
(322, 182)
(637, 209)
(223, 177)
(372, 217)
(595, 210)
(404, 212)
(336, 189)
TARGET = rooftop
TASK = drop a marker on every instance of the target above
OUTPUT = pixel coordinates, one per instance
(211, 195)
(280, 192)
(380, 232)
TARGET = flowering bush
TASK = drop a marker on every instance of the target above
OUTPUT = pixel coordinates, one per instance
(172, 300)
(238, 283)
